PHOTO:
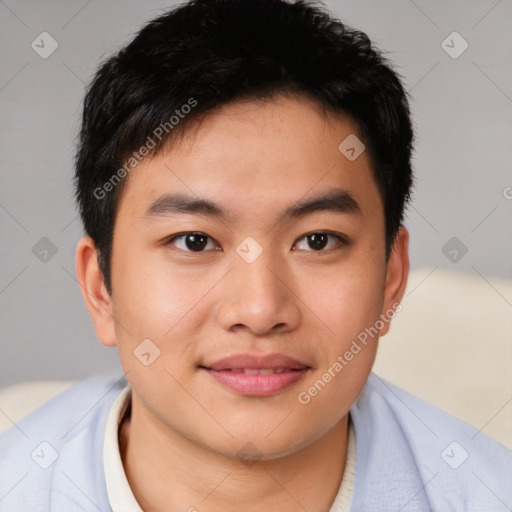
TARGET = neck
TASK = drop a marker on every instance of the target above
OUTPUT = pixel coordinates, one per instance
(167, 471)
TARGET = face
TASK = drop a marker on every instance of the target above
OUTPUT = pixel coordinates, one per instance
(288, 258)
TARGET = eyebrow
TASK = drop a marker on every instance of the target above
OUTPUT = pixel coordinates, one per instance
(335, 200)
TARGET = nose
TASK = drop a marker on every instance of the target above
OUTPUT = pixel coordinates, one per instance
(258, 297)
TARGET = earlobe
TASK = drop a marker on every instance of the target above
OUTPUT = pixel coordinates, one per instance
(396, 278)
(94, 292)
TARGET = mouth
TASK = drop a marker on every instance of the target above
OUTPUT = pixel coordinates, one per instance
(254, 375)
(258, 371)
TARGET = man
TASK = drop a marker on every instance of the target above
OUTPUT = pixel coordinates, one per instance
(242, 173)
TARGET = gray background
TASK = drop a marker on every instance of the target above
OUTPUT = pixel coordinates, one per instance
(461, 109)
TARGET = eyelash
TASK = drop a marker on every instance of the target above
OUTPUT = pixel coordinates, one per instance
(342, 239)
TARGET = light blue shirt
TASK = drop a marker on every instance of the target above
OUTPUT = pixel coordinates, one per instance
(410, 456)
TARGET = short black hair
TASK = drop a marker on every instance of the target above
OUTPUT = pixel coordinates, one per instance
(203, 54)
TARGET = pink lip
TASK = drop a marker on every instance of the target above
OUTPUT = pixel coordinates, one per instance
(257, 385)
(256, 362)
(227, 372)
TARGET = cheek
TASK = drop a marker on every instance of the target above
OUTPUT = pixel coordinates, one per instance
(150, 292)
(151, 302)
(346, 299)
(349, 303)
(350, 308)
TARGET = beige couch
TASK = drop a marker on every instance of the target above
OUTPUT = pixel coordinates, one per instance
(450, 345)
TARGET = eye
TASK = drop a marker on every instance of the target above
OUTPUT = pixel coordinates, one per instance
(320, 239)
(191, 241)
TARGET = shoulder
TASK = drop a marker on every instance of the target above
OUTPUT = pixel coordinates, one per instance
(39, 454)
(420, 418)
(448, 462)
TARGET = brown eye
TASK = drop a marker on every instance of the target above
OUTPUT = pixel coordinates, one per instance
(190, 242)
(318, 240)
(196, 241)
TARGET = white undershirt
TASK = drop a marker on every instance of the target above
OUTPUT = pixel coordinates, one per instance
(121, 497)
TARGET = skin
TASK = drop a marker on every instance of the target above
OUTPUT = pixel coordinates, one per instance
(179, 446)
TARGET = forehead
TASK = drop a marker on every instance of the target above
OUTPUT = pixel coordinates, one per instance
(254, 156)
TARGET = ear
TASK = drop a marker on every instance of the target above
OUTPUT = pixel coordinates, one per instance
(94, 292)
(396, 277)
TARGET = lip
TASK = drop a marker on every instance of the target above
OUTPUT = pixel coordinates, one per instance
(226, 372)
(256, 361)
